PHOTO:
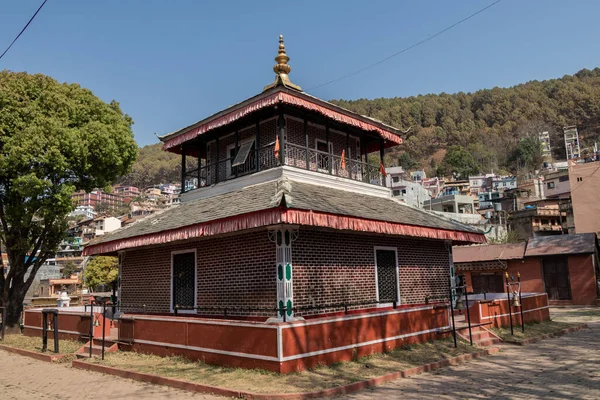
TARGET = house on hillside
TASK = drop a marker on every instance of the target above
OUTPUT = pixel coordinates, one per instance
(291, 247)
(563, 266)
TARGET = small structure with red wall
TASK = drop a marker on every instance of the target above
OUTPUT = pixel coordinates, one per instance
(563, 266)
(287, 249)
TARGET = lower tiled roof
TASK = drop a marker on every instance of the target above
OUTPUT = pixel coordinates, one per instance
(287, 194)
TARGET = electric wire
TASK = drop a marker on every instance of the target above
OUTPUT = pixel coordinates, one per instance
(407, 48)
(23, 30)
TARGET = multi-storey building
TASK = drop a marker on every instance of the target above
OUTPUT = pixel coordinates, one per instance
(405, 189)
(572, 148)
(98, 198)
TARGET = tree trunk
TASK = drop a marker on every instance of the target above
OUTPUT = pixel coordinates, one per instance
(13, 307)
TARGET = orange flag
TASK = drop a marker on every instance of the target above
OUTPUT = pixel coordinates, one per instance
(343, 162)
(276, 150)
(382, 169)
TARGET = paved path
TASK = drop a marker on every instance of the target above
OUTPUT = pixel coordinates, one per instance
(23, 378)
(567, 367)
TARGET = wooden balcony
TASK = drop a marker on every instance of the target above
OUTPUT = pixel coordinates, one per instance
(290, 155)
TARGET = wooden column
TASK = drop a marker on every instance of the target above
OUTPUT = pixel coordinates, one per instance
(200, 161)
(237, 138)
(217, 161)
(257, 145)
(183, 166)
(306, 143)
(381, 159)
(281, 127)
(329, 158)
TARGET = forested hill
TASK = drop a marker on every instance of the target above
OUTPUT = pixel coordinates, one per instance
(490, 123)
(483, 130)
(154, 166)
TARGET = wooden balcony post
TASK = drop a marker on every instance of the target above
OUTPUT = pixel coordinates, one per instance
(381, 160)
(281, 126)
(237, 136)
(257, 145)
(329, 157)
(183, 166)
(306, 143)
(217, 161)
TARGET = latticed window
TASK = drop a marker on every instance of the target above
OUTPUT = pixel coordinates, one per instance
(387, 280)
(184, 279)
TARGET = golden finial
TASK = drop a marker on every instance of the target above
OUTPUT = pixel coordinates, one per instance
(282, 69)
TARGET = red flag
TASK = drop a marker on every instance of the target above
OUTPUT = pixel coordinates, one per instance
(382, 169)
(343, 162)
(276, 150)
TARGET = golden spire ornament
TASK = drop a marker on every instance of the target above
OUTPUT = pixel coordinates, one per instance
(282, 69)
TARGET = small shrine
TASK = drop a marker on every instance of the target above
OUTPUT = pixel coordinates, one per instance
(287, 249)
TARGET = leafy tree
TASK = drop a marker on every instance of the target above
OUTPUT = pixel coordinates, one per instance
(69, 269)
(458, 162)
(101, 270)
(55, 138)
(528, 155)
(407, 162)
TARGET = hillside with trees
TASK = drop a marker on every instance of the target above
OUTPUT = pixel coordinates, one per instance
(154, 166)
(491, 129)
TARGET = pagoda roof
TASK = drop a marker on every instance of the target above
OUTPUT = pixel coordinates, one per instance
(284, 201)
(285, 96)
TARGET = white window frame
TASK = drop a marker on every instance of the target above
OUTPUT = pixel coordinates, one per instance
(395, 250)
(330, 147)
(171, 307)
(231, 146)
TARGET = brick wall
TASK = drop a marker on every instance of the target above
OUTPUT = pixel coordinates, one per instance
(233, 271)
(329, 267)
(334, 267)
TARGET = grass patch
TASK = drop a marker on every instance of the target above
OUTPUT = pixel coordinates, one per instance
(35, 344)
(269, 382)
(532, 329)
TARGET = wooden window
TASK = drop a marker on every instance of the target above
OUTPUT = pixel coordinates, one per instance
(488, 283)
(183, 279)
(386, 274)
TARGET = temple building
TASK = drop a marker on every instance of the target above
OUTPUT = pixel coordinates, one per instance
(287, 249)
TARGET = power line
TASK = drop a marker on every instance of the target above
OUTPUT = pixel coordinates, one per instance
(23, 30)
(407, 48)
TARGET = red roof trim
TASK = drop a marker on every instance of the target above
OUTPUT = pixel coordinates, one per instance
(302, 217)
(271, 100)
(279, 216)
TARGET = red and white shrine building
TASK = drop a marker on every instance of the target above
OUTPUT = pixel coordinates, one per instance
(283, 213)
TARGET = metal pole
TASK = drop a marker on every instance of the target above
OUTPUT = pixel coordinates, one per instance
(91, 327)
(55, 318)
(521, 302)
(509, 308)
(452, 312)
(44, 332)
(103, 326)
(468, 316)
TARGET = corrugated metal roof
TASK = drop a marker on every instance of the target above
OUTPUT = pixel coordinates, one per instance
(511, 251)
(582, 243)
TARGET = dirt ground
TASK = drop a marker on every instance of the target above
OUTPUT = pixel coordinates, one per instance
(23, 378)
